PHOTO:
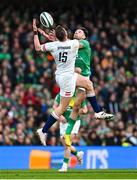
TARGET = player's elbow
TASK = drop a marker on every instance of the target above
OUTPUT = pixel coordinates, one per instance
(37, 46)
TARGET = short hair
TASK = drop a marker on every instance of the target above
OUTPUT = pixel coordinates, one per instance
(60, 33)
(85, 31)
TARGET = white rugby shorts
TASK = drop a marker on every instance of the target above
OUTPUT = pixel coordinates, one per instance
(67, 84)
(63, 127)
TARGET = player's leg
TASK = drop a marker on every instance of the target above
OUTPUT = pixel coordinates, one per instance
(67, 87)
(70, 149)
(80, 97)
(54, 116)
(84, 82)
(81, 82)
(88, 85)
(78, 154)
(62, 127)
(67, 153)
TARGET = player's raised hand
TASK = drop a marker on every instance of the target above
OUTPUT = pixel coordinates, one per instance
(34, 25)
(42, 32)
(52, 35)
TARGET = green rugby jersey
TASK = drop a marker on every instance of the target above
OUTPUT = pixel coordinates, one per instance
(71, 104)
(84, 58)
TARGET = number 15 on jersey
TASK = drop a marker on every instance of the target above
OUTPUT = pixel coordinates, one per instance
(63, 56)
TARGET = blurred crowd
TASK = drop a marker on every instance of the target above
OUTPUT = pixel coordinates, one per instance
(28, 88)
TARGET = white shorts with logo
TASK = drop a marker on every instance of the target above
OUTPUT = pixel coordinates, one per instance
(67, 84)
(63, 127)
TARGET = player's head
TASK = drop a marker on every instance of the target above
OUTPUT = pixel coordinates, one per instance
(61, 33)
(81, 33)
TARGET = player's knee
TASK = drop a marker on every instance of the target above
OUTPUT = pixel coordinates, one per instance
(89, 85)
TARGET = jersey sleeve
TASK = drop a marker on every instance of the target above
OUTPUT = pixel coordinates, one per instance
(48, 47)
(57, 99)
(84, 43)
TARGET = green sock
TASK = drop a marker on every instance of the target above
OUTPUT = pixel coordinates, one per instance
(71, 124)
(74, 153)
(66, 160)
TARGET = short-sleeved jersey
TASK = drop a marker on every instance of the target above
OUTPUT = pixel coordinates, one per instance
(84, 58)
(71, 104)
(64, 54)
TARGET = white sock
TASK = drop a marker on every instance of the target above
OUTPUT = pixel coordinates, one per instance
(65, 165)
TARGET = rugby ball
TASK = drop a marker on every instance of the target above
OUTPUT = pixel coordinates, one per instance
(46, 20)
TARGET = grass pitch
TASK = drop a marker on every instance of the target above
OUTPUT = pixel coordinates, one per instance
(71, 174)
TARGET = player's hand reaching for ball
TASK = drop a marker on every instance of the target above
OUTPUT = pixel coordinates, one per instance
(42, 32)
(34, 25)
(51, 36)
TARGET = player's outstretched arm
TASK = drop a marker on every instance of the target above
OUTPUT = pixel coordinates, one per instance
(36, 38)
(51, 36)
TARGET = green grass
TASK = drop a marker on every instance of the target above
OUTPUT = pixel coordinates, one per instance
(71, 174)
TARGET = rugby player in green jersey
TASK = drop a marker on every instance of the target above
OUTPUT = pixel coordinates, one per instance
(83, 63)
(63, 125)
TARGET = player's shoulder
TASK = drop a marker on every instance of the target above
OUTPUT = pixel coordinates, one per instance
(85, 41)
(73, 41)
(52, 43)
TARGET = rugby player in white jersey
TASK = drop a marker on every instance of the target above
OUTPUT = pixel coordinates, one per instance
(64, 52)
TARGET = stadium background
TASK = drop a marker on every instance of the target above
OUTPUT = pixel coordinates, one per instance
(27, 85)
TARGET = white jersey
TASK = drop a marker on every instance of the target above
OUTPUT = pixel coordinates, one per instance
(64, 54)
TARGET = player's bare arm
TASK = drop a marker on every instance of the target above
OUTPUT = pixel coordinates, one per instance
(42, 32)
(36, 38)
(51, 36)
